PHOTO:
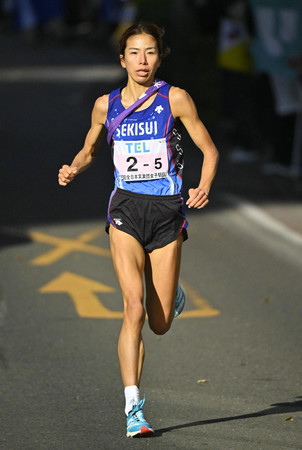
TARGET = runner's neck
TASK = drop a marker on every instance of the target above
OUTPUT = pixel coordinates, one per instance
(132, 92)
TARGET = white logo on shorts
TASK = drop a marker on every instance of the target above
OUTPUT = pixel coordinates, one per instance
(118, 221)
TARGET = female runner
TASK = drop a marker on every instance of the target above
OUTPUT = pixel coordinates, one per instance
(146, 219)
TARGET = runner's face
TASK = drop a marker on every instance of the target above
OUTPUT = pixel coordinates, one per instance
(141, 59)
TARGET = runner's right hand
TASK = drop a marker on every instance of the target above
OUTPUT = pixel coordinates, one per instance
(66, 174)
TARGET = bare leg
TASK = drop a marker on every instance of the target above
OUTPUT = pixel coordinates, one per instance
(141, 358)
(129, 261)
(162, 273)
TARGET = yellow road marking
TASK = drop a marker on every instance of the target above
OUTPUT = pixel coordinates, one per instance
(82, 292)
(66, 246)
(204, 309)
(87, 303)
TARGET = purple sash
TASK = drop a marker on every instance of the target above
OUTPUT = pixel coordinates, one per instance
(119, 119)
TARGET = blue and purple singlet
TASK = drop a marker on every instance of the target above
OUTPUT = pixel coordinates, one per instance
(146, 147)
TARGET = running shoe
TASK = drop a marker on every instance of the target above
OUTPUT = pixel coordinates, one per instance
(180, 300)
(137, 426)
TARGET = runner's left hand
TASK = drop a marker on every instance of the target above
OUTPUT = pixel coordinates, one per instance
(198, 198)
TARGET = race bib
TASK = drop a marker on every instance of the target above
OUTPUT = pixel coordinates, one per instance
(141, 160)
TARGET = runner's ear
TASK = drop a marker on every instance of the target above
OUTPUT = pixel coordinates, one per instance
(122, 61)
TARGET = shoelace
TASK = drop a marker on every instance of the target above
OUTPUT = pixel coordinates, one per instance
(137, 416)
(136, 412)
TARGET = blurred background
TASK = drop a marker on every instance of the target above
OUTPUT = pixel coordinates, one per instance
(241, 61)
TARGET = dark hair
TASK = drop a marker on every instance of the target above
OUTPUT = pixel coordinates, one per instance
(145, 28)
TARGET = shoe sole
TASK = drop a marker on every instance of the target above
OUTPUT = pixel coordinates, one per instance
(143, 432)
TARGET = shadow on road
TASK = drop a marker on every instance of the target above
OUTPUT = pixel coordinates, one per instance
(8, 238)
(276, 408)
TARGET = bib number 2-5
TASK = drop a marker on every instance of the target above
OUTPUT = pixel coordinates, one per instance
(142, 160)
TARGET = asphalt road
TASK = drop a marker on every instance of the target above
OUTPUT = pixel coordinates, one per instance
(227, 375)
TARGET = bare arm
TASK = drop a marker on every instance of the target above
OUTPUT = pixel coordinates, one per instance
(183, 107)
(87, 154)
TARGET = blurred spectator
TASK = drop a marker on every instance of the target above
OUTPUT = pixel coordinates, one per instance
(26, 17)
(230, 22)
(100, 19)
(117, 16)
(277, 50)
(238, 84)
(33, 16)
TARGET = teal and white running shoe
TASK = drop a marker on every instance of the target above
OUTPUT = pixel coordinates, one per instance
(137, 426)
(180, 300)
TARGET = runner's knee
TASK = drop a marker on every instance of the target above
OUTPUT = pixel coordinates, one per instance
(134, 312)
(159, 327)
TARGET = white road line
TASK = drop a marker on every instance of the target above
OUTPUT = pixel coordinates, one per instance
(109, 72)
(263, 219)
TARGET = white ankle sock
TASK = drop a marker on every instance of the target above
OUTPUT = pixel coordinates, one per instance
(131, 395)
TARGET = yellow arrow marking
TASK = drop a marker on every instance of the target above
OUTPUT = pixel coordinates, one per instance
(204, 308)
(66, 246)
(81, 290)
